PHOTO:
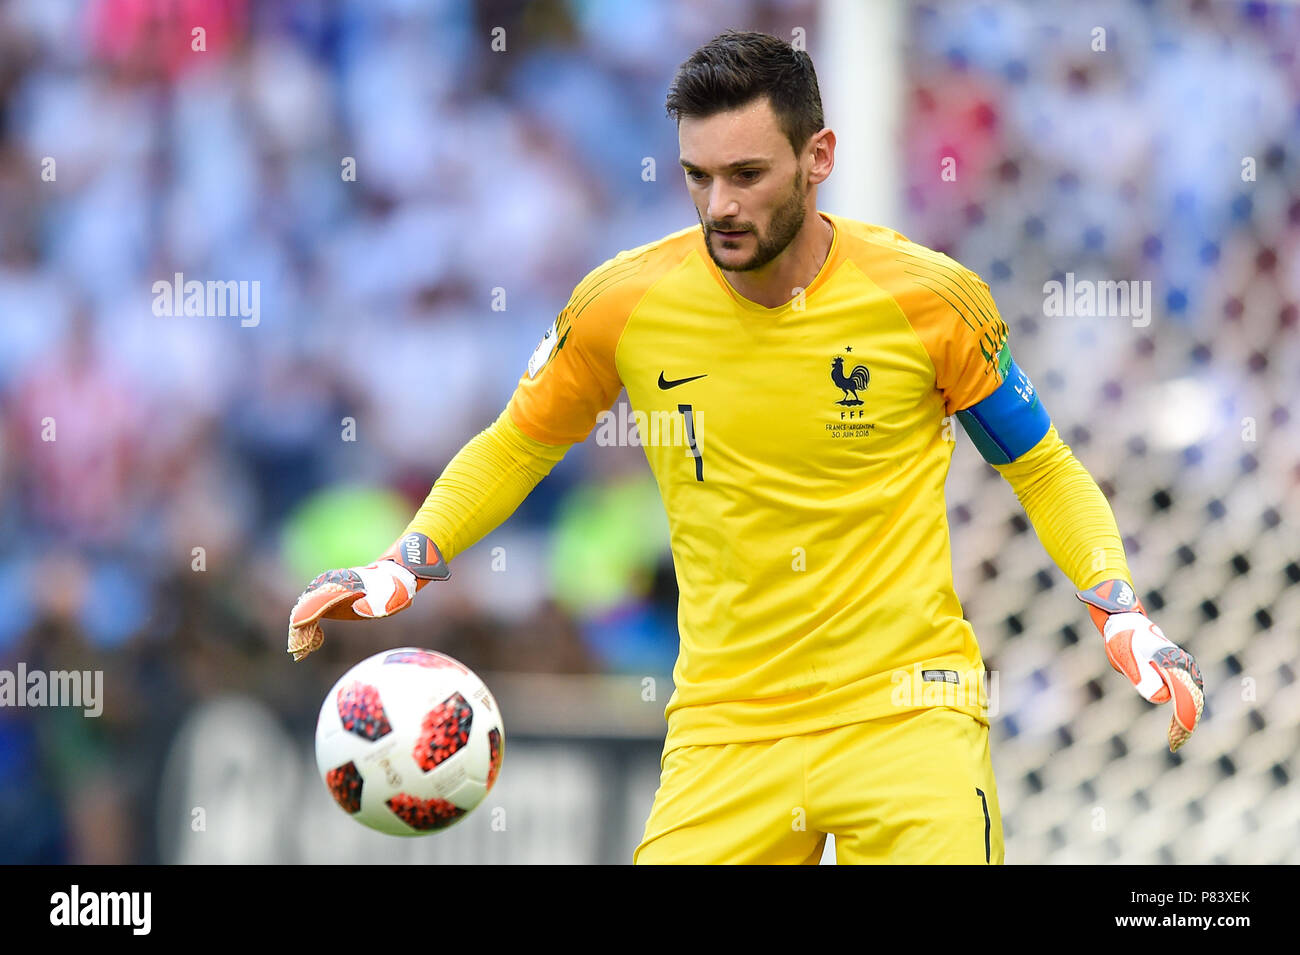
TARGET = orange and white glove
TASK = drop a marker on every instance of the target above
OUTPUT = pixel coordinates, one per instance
(380, 589)
(1160, 670)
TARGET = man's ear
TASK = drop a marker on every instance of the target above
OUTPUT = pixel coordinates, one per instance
(823, 156)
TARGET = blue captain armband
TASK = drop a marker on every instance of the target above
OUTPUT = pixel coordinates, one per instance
(1008, 422)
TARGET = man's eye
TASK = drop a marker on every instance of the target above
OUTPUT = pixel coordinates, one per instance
(694, 175)
(748, 175)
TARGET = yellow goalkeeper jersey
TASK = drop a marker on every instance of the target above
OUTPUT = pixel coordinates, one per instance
(801, 454)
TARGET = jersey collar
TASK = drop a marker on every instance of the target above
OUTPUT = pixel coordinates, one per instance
(828, 267)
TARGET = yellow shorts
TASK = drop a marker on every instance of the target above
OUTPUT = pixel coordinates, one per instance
(913, 788)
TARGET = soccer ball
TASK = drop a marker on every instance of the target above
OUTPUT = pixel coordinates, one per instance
(409, 741)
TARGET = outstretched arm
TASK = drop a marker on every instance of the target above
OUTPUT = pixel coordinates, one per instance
(1075, 524)
(570, 378)
(953, 314)
(483, 485)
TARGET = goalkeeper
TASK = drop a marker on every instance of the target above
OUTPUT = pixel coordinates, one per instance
(810, 366)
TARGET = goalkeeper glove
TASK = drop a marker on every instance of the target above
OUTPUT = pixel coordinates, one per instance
(360, 593)
(1161, 671)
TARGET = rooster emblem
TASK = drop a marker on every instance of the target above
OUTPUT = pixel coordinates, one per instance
(854, 382)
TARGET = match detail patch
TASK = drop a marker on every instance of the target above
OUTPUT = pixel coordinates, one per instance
(939, 676)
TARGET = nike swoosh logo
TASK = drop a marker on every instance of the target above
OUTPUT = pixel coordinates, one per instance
(665, 384)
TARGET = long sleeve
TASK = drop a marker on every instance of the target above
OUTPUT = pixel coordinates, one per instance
(483, 485)
(1071, 516)
(571, 378)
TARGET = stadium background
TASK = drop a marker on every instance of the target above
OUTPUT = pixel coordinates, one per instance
(521, 170)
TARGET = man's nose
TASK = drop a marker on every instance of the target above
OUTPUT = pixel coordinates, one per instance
(722, 204)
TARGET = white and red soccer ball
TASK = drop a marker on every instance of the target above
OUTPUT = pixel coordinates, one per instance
(409, 741)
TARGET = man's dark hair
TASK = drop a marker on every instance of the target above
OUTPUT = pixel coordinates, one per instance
(735, 68)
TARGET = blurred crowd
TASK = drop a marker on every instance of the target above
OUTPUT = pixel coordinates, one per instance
(417, 187)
